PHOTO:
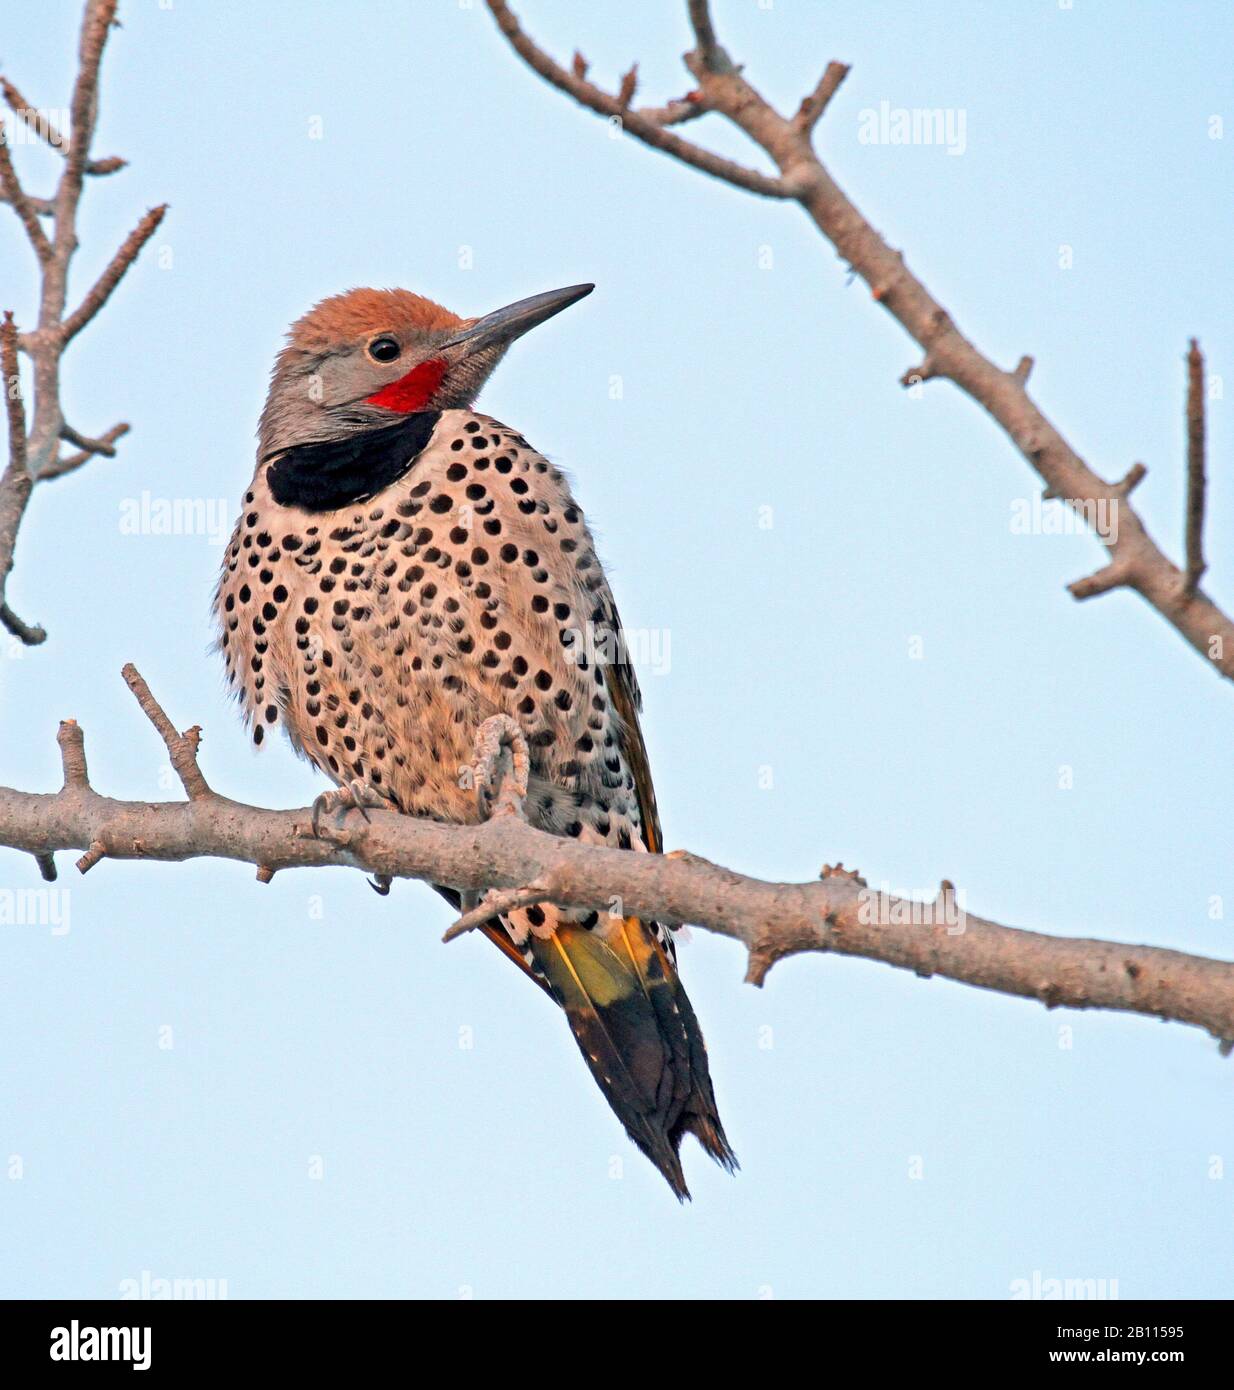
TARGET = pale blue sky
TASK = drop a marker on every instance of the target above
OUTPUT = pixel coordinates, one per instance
(310, 1018)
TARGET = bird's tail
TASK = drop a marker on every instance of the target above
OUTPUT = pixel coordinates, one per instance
(634, 1024)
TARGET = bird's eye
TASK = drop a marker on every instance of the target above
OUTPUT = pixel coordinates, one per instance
(384, 349)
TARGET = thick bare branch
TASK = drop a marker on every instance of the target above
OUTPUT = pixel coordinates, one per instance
(1135, 561)
(837, 913)
(1195, 468)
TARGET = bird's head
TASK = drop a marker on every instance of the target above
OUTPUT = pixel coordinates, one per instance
(363, 358)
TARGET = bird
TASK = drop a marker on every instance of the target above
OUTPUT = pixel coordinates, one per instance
(405, 567)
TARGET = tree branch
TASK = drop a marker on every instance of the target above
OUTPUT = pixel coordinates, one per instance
(1135, 561)
(15, 196)
(1195, 469)
(45, 344)
(15, 482)
(837, 913)
(647, 129)
(813, 106)
(40, 124)
(100, 292)
(104, 446)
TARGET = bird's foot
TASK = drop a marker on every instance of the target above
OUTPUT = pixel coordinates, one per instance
(351, 796)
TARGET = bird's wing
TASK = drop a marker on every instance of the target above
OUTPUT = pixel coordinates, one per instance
(627, 700)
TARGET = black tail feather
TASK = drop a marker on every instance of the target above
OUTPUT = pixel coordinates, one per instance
(640, 1037)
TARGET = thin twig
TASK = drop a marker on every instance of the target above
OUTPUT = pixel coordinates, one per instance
(1102, 581)
(181, 747)
(1195, 469)
(40, 124)
(15, 196)
(495, 904)
(648, 131)
(95, 852)
(813, 106)
(677, 112)
(30, 634)
(15, 482)
(1131, 480)
(100, 292)
(73, 754)
(104, 446)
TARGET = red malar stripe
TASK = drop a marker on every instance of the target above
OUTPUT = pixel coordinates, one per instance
(413, 391)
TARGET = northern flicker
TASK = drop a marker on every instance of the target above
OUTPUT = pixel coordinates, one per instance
(404, 568)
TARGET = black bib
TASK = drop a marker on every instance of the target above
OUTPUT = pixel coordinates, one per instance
(334, 473)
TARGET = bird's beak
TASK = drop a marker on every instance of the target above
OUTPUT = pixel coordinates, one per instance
(502, 326)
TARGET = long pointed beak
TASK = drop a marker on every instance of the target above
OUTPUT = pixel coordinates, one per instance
(502, 326)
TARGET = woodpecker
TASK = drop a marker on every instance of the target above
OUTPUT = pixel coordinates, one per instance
(405, 567)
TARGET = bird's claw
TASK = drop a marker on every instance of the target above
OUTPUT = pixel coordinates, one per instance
(351, 796)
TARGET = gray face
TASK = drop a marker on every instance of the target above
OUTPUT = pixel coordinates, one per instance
(325, 395)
